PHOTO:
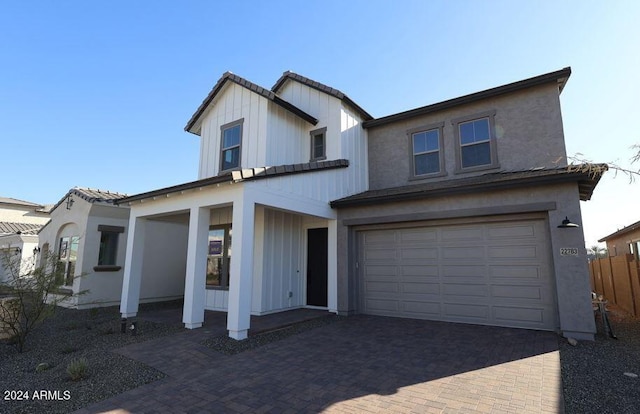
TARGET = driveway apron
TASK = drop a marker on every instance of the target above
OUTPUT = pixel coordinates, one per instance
(361, 364)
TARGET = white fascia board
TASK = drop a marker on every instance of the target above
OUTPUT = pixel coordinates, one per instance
(289, 201)
(209, 196)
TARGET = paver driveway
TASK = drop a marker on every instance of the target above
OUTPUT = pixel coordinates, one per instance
(359, 364)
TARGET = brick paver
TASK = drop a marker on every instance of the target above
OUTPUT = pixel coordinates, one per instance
(363, 364)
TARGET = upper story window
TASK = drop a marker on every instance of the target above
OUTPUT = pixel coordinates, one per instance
(230, 145)
(475, 142)
(426, 151)
(319, 144)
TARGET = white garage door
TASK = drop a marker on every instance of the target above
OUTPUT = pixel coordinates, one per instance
(491, 273)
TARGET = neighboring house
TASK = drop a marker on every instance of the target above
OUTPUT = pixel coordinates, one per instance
(19, 223)
(446, 212)
(88, 235)
(624, 241)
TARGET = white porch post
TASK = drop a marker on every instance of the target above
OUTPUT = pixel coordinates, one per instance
(133, 267)
(332, 265)
(239, 310)
(195, 279)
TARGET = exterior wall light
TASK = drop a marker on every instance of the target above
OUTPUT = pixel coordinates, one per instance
(70, 202)
(36, 250)
(567, 224)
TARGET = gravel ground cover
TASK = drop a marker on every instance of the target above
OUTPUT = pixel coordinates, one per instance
(593, 373)
(68, 335)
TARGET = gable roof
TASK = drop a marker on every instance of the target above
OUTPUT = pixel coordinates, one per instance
(91, 195)
(8, 227)
(265, 93)
(288, 75)
(560, 77)
(16, 202)
(622, 231)
(241, 175)
(587, 181)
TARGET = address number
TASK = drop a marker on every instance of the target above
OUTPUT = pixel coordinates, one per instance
(568, 251)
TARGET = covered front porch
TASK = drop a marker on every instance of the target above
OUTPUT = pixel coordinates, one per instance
(242, 251)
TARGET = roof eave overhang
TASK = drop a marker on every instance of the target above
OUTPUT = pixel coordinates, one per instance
(586, 185)
(560, 77)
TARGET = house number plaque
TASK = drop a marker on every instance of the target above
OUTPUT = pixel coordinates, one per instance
(568, 251)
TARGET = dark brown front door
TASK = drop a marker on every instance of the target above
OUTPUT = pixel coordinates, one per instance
(317, 267)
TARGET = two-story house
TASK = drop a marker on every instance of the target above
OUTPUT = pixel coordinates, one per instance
(446, 212)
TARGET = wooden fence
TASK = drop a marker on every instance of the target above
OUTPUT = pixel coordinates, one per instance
(617, 278)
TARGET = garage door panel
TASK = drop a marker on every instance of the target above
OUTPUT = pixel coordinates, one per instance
(529, 317)
(461, 233)
(383, 287)
(495, 273)
(517, 292)
(512, 231)
(468, 271)
(418, 236)
(478, 313)
(419, 253)
(420, 288)
(464, 253)
(520, 273)
(513, 252)
(418, 270)
(380, 254)
(422, 309)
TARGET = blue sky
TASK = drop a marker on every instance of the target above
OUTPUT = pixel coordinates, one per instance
(96, 94)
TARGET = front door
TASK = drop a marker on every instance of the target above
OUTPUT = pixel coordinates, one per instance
(317, 267)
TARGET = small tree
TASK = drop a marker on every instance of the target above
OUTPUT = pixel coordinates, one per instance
(597, 252)
(32, 293)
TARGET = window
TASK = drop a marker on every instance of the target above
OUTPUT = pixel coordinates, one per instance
(107, 255)
(475, 142)
(230, 145)
(319, 144)
(426, 156)
(67, 256)
(219, 256)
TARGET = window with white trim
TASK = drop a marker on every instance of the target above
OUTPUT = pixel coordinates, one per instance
(475, 142)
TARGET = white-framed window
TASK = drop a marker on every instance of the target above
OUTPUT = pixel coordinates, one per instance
(319, 144)
(67, 257)
(475, 142)
(426, 151)
(230, 145)
(219, 256)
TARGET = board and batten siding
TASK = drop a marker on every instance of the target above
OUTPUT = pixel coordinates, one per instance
(232, 104)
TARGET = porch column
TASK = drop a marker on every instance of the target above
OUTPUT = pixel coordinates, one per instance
(133, 267)
(332, 265)
(195, 279)
(241, 275)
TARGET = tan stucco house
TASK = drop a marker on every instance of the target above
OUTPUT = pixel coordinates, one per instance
(624, 241)
(453, 211)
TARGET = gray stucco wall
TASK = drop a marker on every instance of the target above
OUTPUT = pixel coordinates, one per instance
(528, 131)
(554, 202)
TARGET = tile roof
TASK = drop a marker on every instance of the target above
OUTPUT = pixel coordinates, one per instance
(91, 195)
(624, 230)
(7, 227)
(586, 180)
(560, 77)
(242, 175)
(322, 88)
(266, 93)
(15, 201)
